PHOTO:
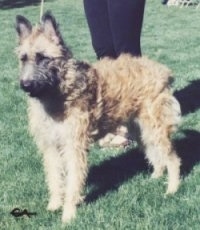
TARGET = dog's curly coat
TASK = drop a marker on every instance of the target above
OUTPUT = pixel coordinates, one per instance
(73, 102)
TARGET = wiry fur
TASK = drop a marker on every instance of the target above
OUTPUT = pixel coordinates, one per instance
(73, 102)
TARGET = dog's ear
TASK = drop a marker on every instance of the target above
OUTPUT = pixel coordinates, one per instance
(50, 27)
(23, 27)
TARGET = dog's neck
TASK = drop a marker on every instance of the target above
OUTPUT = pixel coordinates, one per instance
(53, 105)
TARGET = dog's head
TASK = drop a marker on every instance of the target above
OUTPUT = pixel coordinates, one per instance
(39, 47)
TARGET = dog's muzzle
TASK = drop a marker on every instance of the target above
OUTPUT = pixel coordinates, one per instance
(31, 87)
(27, 85)
(36, 88)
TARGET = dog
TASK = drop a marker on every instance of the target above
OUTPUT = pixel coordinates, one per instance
(72, 103)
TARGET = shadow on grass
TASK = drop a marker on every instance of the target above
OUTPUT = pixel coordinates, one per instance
(188, 149)
(110, 174)
(189, 97)
(8, 4)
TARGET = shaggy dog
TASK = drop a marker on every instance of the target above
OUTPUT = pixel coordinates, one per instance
(72, 102)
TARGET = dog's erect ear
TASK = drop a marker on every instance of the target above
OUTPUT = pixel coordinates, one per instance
(51, 30)
(50, 27)
(23, 27)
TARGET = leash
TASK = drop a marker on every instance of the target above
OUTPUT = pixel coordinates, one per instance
(41, 9)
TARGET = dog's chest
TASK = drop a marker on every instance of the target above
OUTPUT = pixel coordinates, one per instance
(45, 129)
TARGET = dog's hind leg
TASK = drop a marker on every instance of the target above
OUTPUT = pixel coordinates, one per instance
(154, 150)
(173, 167)
(157, 124)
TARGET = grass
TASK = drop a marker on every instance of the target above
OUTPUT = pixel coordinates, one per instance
(120, 195)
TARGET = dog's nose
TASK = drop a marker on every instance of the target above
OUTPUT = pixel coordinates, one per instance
(26, 85)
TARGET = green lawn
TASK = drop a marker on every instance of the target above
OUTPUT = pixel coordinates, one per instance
(119, 194)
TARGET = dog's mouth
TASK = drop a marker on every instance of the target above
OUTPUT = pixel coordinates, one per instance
(30, 87)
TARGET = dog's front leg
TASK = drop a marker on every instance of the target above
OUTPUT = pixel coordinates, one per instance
(75, 158)
(52, 165)
(75, 180)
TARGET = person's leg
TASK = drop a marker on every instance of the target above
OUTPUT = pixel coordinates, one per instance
(96, 12)
(126, 18)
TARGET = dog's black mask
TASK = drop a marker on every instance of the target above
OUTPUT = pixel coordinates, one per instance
(42, 78)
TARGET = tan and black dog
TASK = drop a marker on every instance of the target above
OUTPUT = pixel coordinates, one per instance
(71, 103)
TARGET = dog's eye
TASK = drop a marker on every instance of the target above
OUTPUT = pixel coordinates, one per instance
(39, 57)
(24, 58)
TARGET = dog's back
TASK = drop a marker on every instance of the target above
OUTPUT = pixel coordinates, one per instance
(129, 82)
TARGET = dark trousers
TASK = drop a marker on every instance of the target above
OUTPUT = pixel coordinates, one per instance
(115, 26)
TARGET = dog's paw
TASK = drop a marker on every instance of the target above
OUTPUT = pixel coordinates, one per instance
(69, 213)
(172, 188)
(157, 174)
(171, 191)
(54, 204)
